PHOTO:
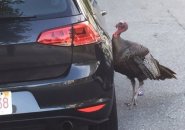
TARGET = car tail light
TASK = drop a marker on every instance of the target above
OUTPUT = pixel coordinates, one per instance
(84, 33)
(79, 34)
(92, 109)
(58, 36)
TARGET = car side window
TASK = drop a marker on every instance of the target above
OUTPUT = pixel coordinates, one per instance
(89, 12)
(94, 3)
(97, 13)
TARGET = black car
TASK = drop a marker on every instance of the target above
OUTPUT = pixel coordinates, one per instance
(56, 66)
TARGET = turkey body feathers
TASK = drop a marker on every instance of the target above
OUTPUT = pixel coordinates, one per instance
(124, 49)
(135, 61)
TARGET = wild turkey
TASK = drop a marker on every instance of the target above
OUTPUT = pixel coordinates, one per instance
(136, 62)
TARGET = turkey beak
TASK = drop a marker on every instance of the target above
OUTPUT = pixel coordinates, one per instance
(116, 26)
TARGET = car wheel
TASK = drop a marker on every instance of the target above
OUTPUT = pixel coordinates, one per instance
(112, 123)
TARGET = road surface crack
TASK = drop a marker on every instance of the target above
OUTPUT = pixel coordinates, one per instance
(176, 20)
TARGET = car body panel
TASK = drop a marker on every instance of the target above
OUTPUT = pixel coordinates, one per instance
(53, 82)
(27, 56)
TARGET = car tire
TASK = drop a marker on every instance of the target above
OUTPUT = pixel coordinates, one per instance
(112, 123)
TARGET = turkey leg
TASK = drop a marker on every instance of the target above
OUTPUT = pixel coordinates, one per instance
(133, 82)
(135, 93)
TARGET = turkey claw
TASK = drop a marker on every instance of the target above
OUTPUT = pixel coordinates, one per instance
(129, 105)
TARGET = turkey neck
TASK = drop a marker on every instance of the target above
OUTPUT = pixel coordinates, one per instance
(116, 44)
(119, 44)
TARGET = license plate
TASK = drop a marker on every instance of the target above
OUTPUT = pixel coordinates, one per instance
(5, 103)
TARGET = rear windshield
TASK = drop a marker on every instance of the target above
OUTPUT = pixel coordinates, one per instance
(26, 8)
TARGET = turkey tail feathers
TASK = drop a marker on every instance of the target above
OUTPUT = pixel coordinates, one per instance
(166, 73)
(152, 69)
(168, 69)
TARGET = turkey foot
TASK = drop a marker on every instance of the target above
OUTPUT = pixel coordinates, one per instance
(131, 104)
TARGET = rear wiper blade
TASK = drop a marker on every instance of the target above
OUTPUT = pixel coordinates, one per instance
(18, 17)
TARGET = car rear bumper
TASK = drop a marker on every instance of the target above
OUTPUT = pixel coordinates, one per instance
(58, 118)
(55, 119)
(58, 100)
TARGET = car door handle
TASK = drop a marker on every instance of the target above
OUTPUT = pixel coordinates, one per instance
(103, 12)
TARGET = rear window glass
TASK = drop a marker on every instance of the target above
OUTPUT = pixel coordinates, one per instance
(11, 8)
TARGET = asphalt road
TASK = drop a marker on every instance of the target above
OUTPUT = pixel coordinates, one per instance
(160, 26)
